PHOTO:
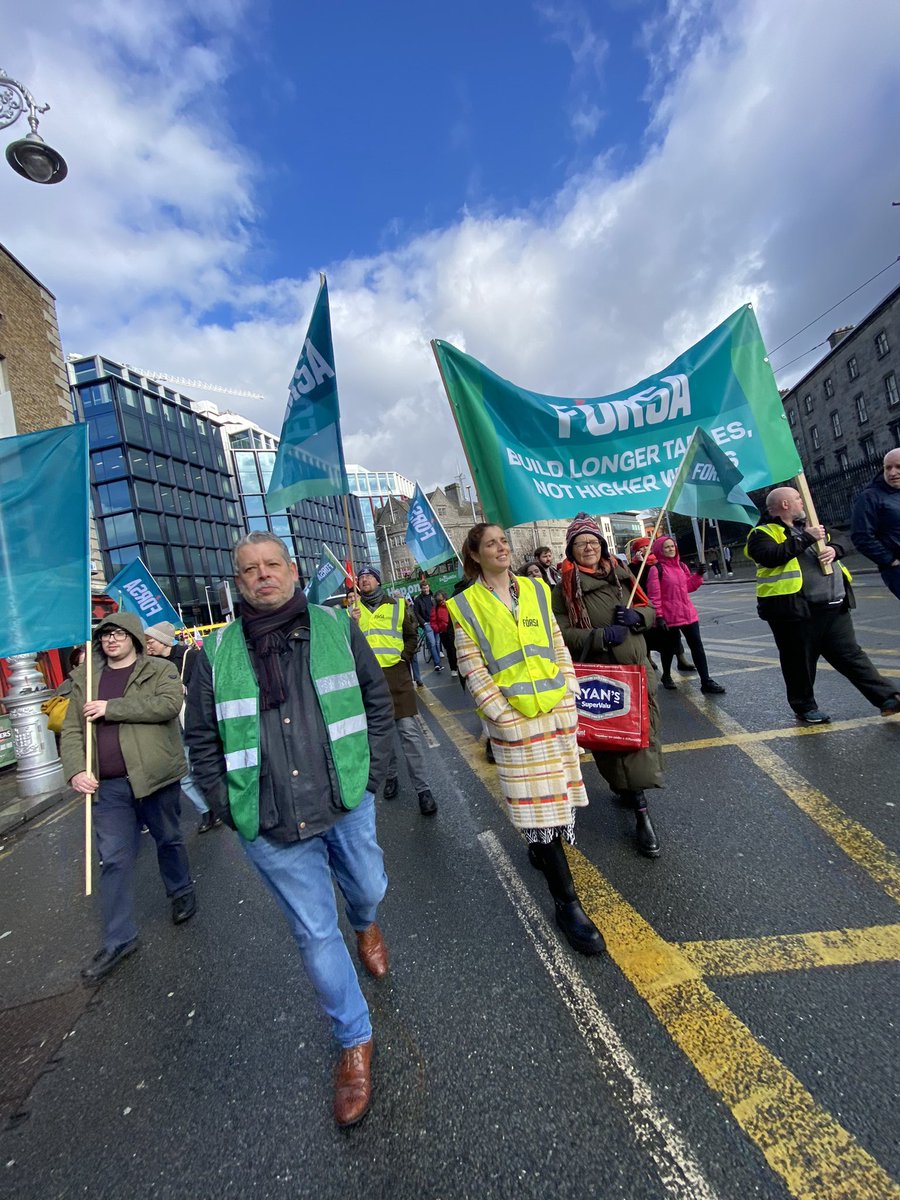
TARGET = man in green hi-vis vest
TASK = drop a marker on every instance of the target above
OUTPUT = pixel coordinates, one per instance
(289, 724)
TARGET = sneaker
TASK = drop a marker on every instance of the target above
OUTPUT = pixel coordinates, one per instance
(437, 670)
(419, 683)
(814, 716)
(891, 706)
(184, 907)
(712, 688)
(454, 674)
(208, 822)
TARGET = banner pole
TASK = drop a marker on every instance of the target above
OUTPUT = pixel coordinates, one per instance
(349, 542)
(663, 510)
(458, 433)
(88, 767)
(802, 486)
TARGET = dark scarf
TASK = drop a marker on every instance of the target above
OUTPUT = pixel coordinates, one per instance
(375, 599)
(265, 632)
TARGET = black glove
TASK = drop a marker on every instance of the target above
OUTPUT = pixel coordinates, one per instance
(701, 569)
(629, 617)
(614, 635)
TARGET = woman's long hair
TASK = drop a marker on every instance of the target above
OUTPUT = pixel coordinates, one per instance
(471, 545)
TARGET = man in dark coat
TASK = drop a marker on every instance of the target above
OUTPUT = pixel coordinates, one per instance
(875, 528)
(391, 629)
(423, 606)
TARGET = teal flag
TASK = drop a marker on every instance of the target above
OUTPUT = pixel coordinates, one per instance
(327, 579)
(425, 536)
(45, 567)
(535, 457)
(310, 458)
(708, 484)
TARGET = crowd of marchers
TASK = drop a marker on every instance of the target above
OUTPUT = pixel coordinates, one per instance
(291, 716)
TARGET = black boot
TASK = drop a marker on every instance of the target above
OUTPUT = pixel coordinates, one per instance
(647, 841)
(578, 929)
(535, 857)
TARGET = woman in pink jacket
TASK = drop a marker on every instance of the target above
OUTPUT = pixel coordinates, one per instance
(669, 584)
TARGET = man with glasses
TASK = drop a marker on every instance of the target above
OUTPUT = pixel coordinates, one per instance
(135, 779)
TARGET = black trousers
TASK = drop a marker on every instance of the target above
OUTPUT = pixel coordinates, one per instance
(827, 633)
(691, 634)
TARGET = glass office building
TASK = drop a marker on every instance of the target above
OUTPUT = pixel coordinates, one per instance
(177, 483)
(372, 488)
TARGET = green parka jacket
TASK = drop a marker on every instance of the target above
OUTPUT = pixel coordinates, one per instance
(149, 734)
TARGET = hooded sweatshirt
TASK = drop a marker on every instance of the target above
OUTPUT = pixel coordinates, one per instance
(669, 584)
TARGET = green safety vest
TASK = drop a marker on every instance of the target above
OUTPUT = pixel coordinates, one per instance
(786, 579)
(236, 691)
(383, 629)
(517, 651)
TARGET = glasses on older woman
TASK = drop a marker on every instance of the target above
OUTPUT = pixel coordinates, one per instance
(586, 543)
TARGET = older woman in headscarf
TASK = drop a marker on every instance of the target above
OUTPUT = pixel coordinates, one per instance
(598, 626)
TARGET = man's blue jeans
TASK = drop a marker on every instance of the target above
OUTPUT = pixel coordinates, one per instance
(434, 645)
(299, 875)
(117, 818)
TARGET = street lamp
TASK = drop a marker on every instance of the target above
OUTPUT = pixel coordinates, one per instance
(29, 156)
(206, 589)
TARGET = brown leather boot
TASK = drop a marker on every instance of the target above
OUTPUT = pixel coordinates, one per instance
(353, 1084)
(373, 953)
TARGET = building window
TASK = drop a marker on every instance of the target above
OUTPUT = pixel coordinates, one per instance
(852, 367)
(120, 530)
(98, 395)
(890, 389)
(867, 445)
(836, 424)
(113, 497)
(792, 417)
(861, 410)
(807, 403)
(895, 433)
(820, 466)
(881, 344)
(843, 460)
(829, 387)
(109, 464)
(814, 434)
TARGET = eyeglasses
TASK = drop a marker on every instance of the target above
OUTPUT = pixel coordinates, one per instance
(586, 543)
(114, 635)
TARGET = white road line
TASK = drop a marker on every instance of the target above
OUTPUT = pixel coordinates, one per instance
(679, 1172)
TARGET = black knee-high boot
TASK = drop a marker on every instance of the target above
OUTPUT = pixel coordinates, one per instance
(647, 841)
(579, 930)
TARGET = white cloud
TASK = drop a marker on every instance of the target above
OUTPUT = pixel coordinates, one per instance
(768, 176)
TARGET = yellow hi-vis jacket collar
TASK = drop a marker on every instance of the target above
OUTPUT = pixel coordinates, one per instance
(383, 629)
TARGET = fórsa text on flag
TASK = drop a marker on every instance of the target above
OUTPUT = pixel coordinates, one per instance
(536, 456)
(425, 536)
(45, 566)
(710, 485)
(137, 591)
(327, 578)
(310, 457)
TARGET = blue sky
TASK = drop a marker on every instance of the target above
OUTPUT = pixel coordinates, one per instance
(573, 192)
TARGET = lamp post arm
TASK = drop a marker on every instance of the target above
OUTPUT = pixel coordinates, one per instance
(14, 98)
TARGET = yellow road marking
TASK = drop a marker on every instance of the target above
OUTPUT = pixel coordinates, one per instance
(880, 864)
(811, 1151)
(767, 735)
(794, 951)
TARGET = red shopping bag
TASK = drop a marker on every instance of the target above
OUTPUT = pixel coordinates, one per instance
(613, 712)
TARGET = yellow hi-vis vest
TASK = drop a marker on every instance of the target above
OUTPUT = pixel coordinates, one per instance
(383, 629)
(518, 653)
(786, 579)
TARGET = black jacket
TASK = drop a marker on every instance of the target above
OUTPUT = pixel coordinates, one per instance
(298, 788)
(875, 527)
(763, 549)
(422, 607)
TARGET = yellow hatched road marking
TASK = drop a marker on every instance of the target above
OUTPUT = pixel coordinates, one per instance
(794, 951)
(811, 1151)
(748, 738)
(880, 864)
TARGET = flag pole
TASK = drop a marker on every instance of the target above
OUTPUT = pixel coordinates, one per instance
(88, 688)
(349, 542)
(458, 430)
(662, 511)
(800, 483)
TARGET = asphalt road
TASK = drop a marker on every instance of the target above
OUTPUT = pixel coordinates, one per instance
(740, 1040)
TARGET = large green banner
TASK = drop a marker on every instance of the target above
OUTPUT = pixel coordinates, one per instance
(534, 456)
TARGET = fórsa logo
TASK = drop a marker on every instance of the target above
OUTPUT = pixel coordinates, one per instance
(600, 698)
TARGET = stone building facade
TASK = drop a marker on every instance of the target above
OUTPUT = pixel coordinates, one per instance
(34, 386)
(846, 410)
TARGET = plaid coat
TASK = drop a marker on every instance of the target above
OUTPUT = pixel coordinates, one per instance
(537, 757)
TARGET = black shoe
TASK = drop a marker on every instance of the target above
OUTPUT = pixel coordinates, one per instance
(578, 929)
(685, 667)
(669, 683)
(814, 716)
(208, 822)
(105, 960)
(437, 670)
(184, 907)
(427, 804)
(712, 688)
(391, 788)
(647, 841)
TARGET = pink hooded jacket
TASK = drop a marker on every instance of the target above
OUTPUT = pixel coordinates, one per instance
(669, 587)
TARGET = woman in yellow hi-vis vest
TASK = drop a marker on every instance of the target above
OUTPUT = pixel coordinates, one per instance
(517, 669)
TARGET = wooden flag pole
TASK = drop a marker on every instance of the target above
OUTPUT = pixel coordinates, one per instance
(811, 519)
(662, 511)
(349, 543)
(88, 767)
